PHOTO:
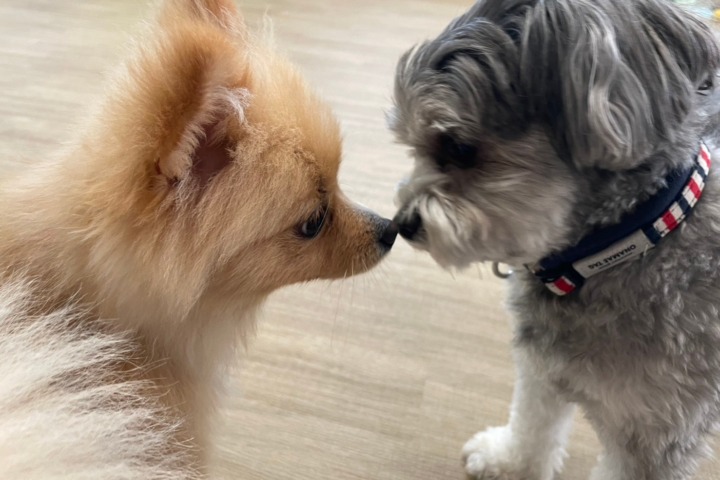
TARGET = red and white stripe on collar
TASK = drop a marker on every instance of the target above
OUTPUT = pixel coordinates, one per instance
(562, 286)
(676, 213)
(689, 197)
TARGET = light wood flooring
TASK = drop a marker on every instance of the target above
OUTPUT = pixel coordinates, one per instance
(382, 377)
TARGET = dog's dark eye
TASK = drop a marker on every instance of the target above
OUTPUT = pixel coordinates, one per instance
(452, 152)
(314, 225)
(706, 86)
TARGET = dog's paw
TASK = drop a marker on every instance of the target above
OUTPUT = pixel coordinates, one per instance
(491, 455)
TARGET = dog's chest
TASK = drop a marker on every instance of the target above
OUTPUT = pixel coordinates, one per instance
(576, 361)
(618, 358)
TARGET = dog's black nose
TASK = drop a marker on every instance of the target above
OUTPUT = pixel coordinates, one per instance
(409, 225)
(388, 234)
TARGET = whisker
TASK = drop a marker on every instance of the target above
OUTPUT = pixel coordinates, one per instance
(352, 285)
(337, 312)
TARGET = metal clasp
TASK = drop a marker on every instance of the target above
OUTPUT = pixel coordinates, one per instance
(496, 271)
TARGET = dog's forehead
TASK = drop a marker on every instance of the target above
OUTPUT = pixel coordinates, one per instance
(428, 98)
(286, 104)
(320, 139)
(313, 180)
(325, 154)
(418, 118)
(299, 184)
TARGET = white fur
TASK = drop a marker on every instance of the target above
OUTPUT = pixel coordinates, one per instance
(62, 415)
(531, 446)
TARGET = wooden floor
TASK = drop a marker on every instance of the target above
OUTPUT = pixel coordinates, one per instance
(382, 377)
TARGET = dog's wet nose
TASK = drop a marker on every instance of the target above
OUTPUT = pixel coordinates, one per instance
(408, 225)
(388, 234)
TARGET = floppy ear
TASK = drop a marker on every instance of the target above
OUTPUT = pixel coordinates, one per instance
(620, 84)
(610, 120)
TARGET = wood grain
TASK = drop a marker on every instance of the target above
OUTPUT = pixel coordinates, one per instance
(379, 377)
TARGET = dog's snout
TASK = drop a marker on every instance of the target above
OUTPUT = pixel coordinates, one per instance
(408, 224)
(388, 233)
(384, 230)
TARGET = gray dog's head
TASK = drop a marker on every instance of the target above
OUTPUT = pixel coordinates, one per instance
(532, 121)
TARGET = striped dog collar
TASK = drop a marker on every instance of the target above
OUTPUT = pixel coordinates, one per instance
(637, 233)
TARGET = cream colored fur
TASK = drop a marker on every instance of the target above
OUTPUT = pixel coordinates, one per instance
(133, 263)
(59, 417)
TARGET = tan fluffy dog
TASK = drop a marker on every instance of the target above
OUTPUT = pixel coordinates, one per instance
(131, 264)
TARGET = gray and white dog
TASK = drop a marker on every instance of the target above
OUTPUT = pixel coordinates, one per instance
(565, 136)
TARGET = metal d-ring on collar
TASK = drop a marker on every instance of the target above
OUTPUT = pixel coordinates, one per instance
(500, 274)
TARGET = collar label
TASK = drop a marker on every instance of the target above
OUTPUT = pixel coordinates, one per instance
(621, 251)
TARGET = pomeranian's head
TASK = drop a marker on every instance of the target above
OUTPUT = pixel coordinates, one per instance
(213, 169)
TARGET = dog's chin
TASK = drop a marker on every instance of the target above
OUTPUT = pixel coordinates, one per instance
(448, 257)
(458, 260)
(453, 253)
(449, 262)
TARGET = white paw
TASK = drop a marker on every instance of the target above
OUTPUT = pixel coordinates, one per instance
(491, 455)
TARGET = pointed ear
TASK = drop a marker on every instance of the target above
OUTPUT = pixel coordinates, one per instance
(221, 13)
(208, 140)
(185, 92)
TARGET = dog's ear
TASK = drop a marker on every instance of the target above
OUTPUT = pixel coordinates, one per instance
(607, 105)
(616, 82)
(207, 139)
(222, 13)
(194, 78)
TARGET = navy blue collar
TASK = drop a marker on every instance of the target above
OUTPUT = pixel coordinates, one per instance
(638, 231)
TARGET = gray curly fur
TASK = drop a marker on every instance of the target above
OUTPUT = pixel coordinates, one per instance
(577, 110)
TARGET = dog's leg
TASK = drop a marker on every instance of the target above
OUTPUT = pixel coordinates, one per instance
(653, 455)
(531, 446)
(615, 465)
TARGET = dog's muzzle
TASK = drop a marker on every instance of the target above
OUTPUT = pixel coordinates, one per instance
(387, 233)
(408, 219)
(409, 224)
